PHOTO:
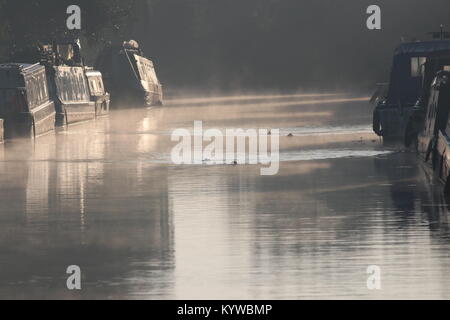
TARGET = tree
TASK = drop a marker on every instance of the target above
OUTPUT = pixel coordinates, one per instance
(26, 22)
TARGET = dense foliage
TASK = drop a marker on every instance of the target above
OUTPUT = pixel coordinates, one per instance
(25, 22)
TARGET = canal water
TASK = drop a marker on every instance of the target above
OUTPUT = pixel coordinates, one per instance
(105, 196)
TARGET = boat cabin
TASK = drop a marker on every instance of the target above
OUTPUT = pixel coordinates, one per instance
(70, 91)
(392, 112)
(25, 103)
(436, 116)
(407, 71)
(97, 91)
(129, 76)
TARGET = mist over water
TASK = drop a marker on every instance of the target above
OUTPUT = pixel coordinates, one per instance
(104, 195)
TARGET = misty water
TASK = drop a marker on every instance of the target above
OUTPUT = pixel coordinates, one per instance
(105, 196)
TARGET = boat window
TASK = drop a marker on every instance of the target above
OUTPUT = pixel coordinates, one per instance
(447, 128)
(417, 68)
(65, 51)
(37, 92)
(71, 85)
(95, 85)
(432, 109)
(82, 88)
(146, 70)
(100, 85)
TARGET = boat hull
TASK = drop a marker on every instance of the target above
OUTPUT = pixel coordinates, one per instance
(43, 119)
(32, 124)
(68, 114)
(392, 121)
(441, 159)
(436, 158)
(102, 106)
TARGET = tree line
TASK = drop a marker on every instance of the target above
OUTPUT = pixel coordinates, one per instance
(235, 44)
(24, 23)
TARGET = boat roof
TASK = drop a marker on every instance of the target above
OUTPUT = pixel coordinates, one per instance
(422, 47)
(93, 73)
(440, 54)
(23, 68)
(12, 75)
(17, 65)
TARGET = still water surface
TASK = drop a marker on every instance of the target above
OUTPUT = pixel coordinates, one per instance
(104, 196)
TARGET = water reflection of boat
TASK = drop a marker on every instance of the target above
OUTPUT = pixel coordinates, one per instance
(86, 196)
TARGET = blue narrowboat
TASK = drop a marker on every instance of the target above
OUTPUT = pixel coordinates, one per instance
(395, 106)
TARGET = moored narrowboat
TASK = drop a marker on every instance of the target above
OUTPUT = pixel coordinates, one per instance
(433, 141)
(68, 84)
(69, 90)
(395, 105)
(428, 129)
(129, 76)
(97, 92)
(25, 103)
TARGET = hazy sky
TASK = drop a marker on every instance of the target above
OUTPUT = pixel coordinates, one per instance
(281, 44)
